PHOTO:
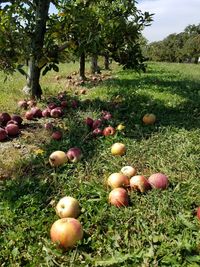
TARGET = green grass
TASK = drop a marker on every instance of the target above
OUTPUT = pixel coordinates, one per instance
(159, 228)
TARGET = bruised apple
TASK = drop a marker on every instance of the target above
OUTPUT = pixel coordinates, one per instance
(116, 180)
(118, 149)
(139, 183)
(57, 158)
(66, 232)
(109, 131)
(128, 171)
(68, 207)
(119, 197)
(74, 154)
(149, 119)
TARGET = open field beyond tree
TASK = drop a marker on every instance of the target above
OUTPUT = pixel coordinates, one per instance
(159, 227)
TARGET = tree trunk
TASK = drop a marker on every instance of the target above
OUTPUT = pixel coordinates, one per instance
(106, 62)
(41, 17)
(82, 66)
(94, 64)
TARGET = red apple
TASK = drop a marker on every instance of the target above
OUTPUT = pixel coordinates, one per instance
(12, 129)
(4, 118)
(57, 158)
(37, 112)
(57, 135)
(118, 149)
(128, 171)
(139, 183)
(109, 131)
(63, 104)
(52, 105)
(31, 103)
(89, 121)
(116, 180)
(22, 104)
(119, 197)
(17, 118)
(46, 112)
(12, 122)
(74, 154)
(74, 104)
(68, 207)
(29, 115)
(48, 126)
(106, 115)
(96, 124)
(149, 118)
(66, 232)
(56, 113)
(158, 181)
(97, 132)
(3, 134)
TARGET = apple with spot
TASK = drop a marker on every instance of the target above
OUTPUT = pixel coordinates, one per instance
(66, 232)
(139, 183)
(68, 207)
(74, 154)
(109, 130)
(57, 158)
(119, 197)
(46, 112)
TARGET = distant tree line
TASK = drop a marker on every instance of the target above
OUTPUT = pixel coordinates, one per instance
(181, 47)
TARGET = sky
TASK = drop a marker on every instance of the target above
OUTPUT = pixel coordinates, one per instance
(171, 16)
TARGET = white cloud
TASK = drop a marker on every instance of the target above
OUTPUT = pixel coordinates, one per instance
(171, 16)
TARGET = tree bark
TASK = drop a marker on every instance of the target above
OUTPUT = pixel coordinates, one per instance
(106, 62)
(41, 17)
(82, 66)
(94, 64)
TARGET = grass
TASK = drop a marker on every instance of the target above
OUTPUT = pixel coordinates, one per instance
(159, 228)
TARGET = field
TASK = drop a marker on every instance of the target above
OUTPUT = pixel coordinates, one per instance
(158, 228)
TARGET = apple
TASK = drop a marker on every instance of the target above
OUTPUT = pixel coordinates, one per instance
(46, 112)
(4, 118)
(48, 126)
(68, 207)
(37, 112)
(109, 131)
(158, 181)
(29, 115)
(12, 129)
(3, 134)
(57, 135)
(74, 104)
(118, 149)
(97, 132)
(22, 104)
(106, 115)
(89, 121)
(57, 158)
(128, 171)
(52, 105)
(66, 232)
(198, 213)
(82, 91)
(56, 113)
(17, 118)
(119, 197)
(118, 180)
(149, 119)
(63, 104)
(96, 124)
(120, 127)
(74, 154)
(62, 96)
(139, 183)
(12, 122)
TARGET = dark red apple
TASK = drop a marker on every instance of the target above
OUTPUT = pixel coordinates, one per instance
(63, 104)
(57, 135)
(37, 112)
(12, 129)
(52, 105)
(3, 134)
(109, 131)
(46, 112)
(4, 118)
(97, 132)
(74, 154)
(89, 121)
(12, 122)
(17, 118)
(96, 124)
